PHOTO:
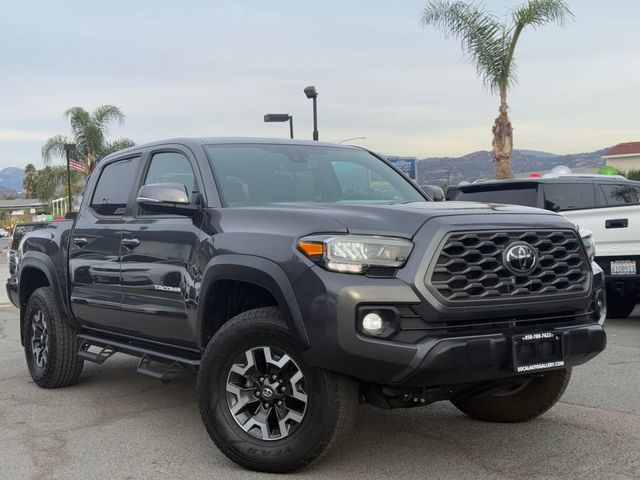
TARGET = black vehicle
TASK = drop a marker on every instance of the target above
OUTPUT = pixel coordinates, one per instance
(299, 279)
(606, 205)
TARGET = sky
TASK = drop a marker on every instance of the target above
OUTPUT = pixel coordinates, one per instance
(214, 68)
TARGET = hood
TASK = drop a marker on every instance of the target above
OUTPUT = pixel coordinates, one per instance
(402, 220)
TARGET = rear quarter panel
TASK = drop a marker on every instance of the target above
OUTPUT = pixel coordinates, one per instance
(42, 246)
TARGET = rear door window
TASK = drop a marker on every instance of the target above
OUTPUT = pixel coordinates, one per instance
(569, 196)
(621, 194)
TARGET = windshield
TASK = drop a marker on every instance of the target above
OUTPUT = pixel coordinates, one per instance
(256, 174)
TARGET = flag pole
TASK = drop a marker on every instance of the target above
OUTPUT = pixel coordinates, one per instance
(68, 148)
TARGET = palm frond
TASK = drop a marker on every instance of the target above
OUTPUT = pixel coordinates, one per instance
(106, 114)
(115, 146)
(536, 13)
(482, 36)
(54, 147)
(78, 117)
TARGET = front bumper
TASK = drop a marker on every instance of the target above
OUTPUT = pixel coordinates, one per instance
(431, 357)
(479, 358)
(620, 284)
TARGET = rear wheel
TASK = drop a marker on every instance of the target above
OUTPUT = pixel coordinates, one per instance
(262, 405)
(51, 345)
(619, 306)
(518, 404)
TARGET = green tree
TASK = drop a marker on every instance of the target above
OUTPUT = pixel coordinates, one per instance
(90, 133)
(51, 182)
(28, 183)
(490, 43)
(47, 181)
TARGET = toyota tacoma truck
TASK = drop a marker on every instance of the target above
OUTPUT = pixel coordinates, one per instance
(608, 206)
(300, 279)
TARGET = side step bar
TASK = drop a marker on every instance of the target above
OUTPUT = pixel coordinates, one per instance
(159, 365)
(163, 371)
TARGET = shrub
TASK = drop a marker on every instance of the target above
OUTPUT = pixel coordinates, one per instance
(633, 174)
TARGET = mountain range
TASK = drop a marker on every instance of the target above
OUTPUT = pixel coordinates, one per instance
(434, 170)
(11, 181)
(452, 170)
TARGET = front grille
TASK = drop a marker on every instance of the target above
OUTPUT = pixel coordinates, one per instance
(470, 266)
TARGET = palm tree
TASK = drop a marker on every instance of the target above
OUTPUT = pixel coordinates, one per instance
(489, 43)
(29, 182)
(89, 132)
(47, 181)
(52, 181)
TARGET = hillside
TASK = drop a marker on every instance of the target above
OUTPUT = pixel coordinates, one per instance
(11, 181)
(480, 165)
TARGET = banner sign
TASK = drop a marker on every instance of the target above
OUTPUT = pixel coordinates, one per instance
(405, 164)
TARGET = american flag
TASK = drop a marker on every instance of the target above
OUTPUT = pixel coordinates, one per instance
(77, 165)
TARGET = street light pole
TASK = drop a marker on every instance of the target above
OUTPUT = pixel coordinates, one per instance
(280, 117)
(312, 93)
(315, 119)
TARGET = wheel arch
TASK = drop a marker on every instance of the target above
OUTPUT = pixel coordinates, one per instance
(37, 270)
(256, 271)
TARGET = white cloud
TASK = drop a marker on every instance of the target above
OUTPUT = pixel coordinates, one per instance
(19, 135)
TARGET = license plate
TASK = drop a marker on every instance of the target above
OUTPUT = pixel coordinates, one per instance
(533, 352)
(623, 267)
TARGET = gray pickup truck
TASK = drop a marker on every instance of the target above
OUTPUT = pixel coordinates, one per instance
(300, 279)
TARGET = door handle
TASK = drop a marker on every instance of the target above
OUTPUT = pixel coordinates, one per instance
(130, 242)
(80, 241)
(616, 223)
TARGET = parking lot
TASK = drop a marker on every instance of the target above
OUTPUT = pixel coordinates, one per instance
(116, 424)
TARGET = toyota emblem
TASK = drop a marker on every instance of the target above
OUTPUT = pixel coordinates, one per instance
(520, 258)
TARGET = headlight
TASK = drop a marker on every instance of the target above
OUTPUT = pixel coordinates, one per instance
(589, 243)
(356, 253)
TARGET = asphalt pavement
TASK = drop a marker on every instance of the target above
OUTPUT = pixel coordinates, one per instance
(117, 425)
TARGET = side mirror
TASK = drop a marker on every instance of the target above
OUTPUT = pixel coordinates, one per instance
(434, 192)
(170, 198)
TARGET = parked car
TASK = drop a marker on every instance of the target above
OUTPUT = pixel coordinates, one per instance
(300, 279)
(608, 206)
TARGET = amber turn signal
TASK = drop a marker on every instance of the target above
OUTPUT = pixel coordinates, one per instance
(311, 249)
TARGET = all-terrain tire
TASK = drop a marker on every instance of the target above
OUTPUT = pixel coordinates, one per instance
(332, 400)
(525, 403)
(61, 366)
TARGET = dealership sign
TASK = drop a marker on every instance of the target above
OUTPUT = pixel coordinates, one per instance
(406, 165)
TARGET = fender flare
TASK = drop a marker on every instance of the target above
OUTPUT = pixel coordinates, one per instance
(42, 262)
(258, 271)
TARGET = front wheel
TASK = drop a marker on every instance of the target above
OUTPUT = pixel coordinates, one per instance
(262, 405)
(51, 345)
(518, 404)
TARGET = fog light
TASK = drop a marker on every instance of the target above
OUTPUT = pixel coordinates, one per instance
(372, 324)
(599, 305)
